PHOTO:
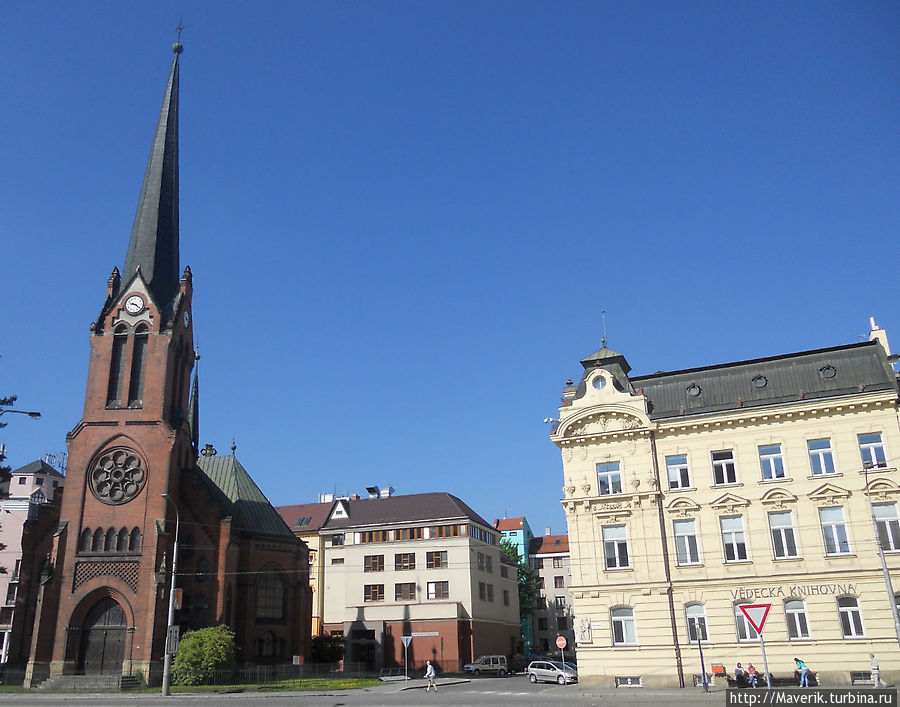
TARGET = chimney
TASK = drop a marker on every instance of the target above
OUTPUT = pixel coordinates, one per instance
(876, 333)
(547, 530)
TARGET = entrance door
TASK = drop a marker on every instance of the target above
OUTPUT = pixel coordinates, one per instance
(103, 642)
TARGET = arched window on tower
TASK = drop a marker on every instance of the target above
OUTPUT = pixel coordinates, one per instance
(85, 544)
(110, 540)
(97, 545)
(134, 542)
(122, 540)
(138, 364)
(117, 367)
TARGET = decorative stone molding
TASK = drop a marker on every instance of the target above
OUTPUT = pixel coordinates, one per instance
(828, 495)
(730, 503)
(117, 476)
(126, 571)
(683, 508)
(778, 499)
(883, 490)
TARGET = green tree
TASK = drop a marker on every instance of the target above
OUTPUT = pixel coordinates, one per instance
(202, 654)
(327, 649)
(529, 582)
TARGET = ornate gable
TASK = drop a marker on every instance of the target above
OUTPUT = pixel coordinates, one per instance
(829, 495)
(882, 490)
(730, 503)
(683, 507)
(778, 499)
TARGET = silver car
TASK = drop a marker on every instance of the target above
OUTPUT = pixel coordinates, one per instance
(550, 671)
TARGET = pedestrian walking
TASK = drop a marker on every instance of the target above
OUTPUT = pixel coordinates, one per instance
(804, 672)
(876, 672)
(429, 676)
(751, 674)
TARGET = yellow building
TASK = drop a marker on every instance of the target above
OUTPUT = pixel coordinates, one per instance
(691, 492)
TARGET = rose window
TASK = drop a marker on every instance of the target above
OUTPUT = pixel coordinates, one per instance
(118, 476)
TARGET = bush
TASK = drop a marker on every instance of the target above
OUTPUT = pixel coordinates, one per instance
(203, 653)
(327, 649)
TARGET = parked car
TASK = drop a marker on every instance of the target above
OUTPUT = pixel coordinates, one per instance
(488, 664)
(551, 671)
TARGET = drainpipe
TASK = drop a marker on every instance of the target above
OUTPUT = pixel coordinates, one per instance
(665, 549)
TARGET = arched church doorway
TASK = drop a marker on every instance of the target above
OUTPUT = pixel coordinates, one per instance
(103, 639)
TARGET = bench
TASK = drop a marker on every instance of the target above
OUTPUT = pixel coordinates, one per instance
(860, 677)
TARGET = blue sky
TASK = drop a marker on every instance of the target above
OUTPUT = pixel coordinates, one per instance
(404, 218)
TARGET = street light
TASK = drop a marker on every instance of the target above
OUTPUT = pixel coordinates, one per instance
(167, 661)
(33, 414)
(884, 567)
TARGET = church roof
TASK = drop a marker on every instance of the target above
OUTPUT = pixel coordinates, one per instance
(249, 509)
(154, 237)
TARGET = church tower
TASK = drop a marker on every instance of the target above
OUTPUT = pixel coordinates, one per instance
(112, 548)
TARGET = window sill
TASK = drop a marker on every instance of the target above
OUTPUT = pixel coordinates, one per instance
(618, 569)
(738, 562)
(832, 475)
(799, 558)
(839, 555)
(736, 484)
(779, 479)
(877, 470)
(692, 565)
(682, 488)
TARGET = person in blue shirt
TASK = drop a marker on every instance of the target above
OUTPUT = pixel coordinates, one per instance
(804, 672)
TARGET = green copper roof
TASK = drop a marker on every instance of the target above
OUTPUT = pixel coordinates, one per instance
(250, 510)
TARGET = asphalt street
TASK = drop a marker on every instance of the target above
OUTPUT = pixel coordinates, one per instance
(478, 691)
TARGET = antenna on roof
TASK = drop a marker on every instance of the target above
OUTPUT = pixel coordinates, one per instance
(603, 339)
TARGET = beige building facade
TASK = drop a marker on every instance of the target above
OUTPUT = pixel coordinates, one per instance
(692, 492)
(421, 565)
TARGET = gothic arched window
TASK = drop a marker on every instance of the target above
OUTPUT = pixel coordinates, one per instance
(110, 540)
(117, 367)
(138, 361)
(269, 596)
(122, 540)
(85, 544)
(97, 545)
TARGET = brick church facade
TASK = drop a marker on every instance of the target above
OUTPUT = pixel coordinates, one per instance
(102, 592)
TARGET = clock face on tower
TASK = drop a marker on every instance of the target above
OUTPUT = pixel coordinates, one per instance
(134, 304)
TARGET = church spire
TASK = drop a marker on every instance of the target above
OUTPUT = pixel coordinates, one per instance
(194, 407)
(154, 237)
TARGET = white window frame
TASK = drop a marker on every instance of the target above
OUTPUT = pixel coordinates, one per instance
(745, 631)
(821, 457)
(695, 615)
(851, 618)
(612, 473)
(735, 539)
(678, 471)
(722, 467)
(888, 523)
(615, 547)
(872, 451)
(771, 462)
(687, 542)
(832, 530)
(797, 619)
(624, 629)
(783, 535)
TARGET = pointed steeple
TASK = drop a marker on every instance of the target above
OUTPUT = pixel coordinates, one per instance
(154, 237)
(194, 407)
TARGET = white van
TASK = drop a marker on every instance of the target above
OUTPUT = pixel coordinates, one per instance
(488, 664)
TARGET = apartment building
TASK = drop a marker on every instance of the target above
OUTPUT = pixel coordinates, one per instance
(517, 533)
(421, 565)
(690, 493)
(553, 617)
(29, 488)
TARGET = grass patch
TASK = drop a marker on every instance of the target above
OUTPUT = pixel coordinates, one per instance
(303, 684)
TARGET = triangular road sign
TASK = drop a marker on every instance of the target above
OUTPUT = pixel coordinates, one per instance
(756, 614)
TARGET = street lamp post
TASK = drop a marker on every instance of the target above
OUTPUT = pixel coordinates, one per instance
(167, 661)
(884, 567)
(33, 414)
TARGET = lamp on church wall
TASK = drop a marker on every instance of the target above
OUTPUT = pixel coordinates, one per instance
(171, 640)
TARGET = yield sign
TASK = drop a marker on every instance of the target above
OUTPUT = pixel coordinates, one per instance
(756, 614)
